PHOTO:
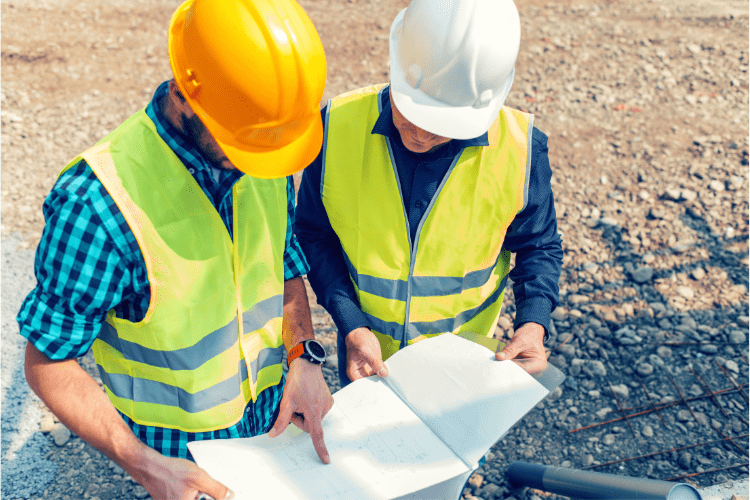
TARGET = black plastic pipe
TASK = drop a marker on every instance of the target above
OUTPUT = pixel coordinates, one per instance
(582, 484)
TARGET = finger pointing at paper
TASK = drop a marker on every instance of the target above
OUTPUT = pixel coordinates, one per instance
(306, 401)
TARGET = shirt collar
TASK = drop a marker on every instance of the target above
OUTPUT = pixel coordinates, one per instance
(384, 126)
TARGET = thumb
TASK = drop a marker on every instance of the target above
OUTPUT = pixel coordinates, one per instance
(375, 360)
(509, 352)
(282, 421)
(210, 486)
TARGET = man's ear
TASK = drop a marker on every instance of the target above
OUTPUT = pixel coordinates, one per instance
(174, 89)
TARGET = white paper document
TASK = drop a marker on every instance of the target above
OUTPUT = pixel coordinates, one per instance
(420, 431)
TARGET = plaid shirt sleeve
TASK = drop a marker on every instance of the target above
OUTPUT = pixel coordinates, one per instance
(83, 268)
(295, 263)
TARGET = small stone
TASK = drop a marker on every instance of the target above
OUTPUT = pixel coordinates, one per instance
(505, 323)
(684, 460)
(738, 426)
(588, 459)
(729, 233)
(591, 267)
(658, 307)
(737, 337)
(489, 490)
(559, 314)
(731, 366)
(715, 185)
(139, 491)
(60, 434)
(476, 480)
(649, 258)
(645, 369)
(608, 439)
(566, 464)
(529, 452)
(555, 394)
(647, 431)
(695, 390)
(688, 195)
(698, 274)
(621, 391)
(603, 412)
(685, 291)
(743, 321)
(578, 299)
(664, 351)
(684, 415)
(656, 360)
(594, 393)
(567, 350)
(672, 194)
(47, 423)
(709, 349)
(596, 367)
(92, 490)
(643, 274)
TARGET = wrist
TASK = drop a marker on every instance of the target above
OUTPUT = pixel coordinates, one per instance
(354, 335)
(310, 350)
(534, 329)
(140, 461)
(304, 364)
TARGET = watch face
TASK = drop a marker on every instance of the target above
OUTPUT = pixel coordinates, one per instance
(316, 350)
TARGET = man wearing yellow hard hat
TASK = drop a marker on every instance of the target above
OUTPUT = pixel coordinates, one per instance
(425, 187)
(169, 252)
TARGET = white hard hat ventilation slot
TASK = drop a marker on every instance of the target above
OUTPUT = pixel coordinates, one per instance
(414, 76)
(484, 100)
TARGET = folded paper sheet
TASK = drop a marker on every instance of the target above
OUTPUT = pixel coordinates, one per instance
(422, 429)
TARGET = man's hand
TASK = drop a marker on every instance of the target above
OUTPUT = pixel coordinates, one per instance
(526, 348)
(363, 356)
(176, 478)
(306, 401)
(84, 408)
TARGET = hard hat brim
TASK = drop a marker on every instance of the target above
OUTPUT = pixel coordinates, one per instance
(432, 115)
(279, 162)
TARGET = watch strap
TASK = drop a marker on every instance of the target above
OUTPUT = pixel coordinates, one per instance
(296, 351)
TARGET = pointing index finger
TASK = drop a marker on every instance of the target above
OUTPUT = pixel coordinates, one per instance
(316, 433)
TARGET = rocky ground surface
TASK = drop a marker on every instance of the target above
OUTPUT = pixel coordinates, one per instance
(646, 107)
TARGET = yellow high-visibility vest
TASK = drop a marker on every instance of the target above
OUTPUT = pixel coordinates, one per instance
(453, 277)
(211, 339)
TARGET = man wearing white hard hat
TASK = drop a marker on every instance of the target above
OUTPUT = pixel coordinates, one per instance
(425, 187)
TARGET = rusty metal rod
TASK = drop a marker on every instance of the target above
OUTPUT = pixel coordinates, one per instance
(708, 471)
(649, 455)
(665, 405)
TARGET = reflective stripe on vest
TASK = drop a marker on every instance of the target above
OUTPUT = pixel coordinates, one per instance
(453, 277)
(210, 341)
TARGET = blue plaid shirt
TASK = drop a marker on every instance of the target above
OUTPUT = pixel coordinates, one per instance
(89, 262)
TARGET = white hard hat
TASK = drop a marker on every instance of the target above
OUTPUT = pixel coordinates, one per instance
(452, 63)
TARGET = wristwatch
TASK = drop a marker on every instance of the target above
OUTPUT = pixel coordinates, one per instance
(311, 350)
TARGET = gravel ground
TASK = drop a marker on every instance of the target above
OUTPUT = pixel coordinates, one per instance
(646, 109)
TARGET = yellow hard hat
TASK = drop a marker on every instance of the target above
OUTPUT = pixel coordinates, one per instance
(254, 71)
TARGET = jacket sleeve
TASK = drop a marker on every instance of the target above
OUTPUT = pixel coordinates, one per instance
(328, 275)
(534, 238)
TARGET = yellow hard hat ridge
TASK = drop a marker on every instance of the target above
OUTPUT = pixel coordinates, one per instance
(254, 71)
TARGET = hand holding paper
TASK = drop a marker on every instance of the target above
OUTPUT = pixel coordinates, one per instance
(363, 357)
(445, 402)
(527, 348)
